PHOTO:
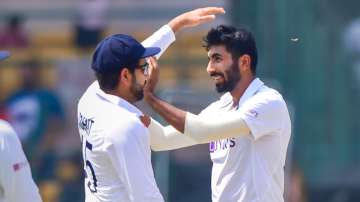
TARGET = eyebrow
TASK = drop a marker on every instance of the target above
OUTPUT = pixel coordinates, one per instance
(215, 55)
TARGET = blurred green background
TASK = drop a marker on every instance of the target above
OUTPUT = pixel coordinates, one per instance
(309, 50)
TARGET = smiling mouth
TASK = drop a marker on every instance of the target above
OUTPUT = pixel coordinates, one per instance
(217, 78)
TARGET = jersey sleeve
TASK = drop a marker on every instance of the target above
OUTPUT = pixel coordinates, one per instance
(263, 116)
(167, 138)
(130, 155)
(15, 175)
(162, 38)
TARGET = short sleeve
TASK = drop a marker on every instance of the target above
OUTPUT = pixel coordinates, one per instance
(263, 116)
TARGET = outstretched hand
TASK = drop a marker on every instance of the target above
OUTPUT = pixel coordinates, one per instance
(153, 77)
(195, 17)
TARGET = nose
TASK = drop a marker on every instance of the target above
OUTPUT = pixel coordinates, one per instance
(210, 68)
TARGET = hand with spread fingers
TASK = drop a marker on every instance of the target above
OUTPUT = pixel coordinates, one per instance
(195, 17)
(153, 77)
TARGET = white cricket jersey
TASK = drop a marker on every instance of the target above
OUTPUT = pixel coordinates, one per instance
(116, 150)
(116, 145)
(251, 168)
(16, 183)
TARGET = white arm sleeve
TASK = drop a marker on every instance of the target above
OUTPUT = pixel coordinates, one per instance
(206, 129)
(15, 175)
(162, 38)
(167, 138)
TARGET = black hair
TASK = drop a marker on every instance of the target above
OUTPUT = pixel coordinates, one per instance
(236, 41)
(109, 80)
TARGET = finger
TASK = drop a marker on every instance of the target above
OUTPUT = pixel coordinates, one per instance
(153, 71)
(212, 11)
(207, 18)
(152, 62)
(149, 60)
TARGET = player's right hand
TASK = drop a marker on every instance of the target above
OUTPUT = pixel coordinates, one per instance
(153, 77)
(195, 17)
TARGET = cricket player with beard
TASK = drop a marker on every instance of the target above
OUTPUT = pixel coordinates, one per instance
(248, 128)
(115, 142)
(16, 183)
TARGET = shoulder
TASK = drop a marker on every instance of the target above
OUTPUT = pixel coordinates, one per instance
(267, 96)
(211, 107)
(267, 102)
(6, 129)
(224, 100)
(89, 93)
(127, 128)
(7, 133)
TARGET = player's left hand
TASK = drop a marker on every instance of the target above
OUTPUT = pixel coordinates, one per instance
(195, 17)
(153, 77)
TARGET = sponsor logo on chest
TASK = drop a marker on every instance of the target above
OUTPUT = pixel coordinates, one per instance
(221, 145)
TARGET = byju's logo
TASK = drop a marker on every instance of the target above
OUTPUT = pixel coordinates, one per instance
(221, 144)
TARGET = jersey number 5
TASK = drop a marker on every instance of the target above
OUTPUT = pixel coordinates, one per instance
(92, 184)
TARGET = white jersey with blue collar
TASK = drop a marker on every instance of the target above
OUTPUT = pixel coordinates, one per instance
(115, 143)
(251, 168)
(116, 150)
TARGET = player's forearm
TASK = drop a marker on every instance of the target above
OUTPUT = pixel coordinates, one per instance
(205, 130)
(167, 138)
(173, 115)
(197, 128)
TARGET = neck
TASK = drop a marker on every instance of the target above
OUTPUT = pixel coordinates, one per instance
(121, 94)
(240, 88)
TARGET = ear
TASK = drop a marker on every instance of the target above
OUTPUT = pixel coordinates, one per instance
(125, 77)
(245, 63)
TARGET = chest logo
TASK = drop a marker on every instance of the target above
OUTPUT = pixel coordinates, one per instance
(222, 144)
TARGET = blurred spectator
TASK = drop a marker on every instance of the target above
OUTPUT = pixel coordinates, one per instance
(91, 22)
(50, 191)
(351, 37)
(352, 45)
(14, 35)
(297, 191)
(37, 116)
(68, 173)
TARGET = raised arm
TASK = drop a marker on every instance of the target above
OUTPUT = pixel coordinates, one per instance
(167, 138)
(165, 36)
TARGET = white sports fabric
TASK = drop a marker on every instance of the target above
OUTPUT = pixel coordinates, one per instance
(246, 167)
(16, 183)
(115, 143)
(251, 168)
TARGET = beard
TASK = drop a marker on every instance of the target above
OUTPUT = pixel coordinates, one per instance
(233, 77)
(136, 90)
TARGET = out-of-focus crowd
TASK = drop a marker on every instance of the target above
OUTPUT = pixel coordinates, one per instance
(37, 113)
